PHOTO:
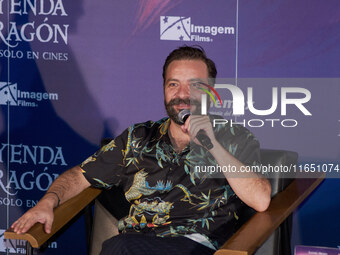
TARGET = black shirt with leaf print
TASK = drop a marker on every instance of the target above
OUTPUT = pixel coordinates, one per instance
(172, 193)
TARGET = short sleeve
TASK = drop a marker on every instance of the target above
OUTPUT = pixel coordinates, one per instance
(241, 143)
(249, 148)
(104, 169)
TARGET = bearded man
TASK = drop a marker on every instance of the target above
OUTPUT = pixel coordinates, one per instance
(174, 210)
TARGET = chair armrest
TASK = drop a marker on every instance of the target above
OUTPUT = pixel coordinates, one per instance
(36, 235)
(259, 227)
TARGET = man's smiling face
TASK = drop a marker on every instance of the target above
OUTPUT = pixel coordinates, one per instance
(182, 76)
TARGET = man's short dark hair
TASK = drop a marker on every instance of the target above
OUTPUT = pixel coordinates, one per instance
(190, 53)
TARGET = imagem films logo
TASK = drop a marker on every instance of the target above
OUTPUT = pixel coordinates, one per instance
(11, 95)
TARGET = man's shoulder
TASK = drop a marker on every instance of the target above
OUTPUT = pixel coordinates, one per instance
(229, 128)
(149, 126)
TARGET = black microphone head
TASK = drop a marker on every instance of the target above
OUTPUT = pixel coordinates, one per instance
(183, 115)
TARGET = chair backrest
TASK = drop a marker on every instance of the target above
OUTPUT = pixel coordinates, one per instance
(279, 242)
(278, 180)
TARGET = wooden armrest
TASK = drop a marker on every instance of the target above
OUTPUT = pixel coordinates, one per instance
(258, 228)
(36, 235)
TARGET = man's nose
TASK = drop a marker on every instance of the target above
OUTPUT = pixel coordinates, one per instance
(183, 91)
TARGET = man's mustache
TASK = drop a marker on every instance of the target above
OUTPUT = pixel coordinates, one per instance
(177, 101)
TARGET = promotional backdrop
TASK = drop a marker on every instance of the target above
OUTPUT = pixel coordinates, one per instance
(73, 72)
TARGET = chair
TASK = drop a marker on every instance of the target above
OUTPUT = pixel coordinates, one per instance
(264, 233)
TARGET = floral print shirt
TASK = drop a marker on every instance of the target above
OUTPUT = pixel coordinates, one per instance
(166, 192)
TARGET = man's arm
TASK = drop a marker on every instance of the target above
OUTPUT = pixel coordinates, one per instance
(252, 190)
(66, 186)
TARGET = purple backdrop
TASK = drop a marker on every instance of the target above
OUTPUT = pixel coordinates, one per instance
(76, 71)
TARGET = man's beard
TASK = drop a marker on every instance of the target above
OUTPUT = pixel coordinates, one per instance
(173, 114)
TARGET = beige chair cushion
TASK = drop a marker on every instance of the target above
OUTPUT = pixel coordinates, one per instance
(104, 227)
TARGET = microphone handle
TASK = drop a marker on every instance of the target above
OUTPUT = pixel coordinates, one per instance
(204, 139)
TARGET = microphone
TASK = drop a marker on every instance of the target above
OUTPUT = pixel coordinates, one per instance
(201, 135)
(183, 115)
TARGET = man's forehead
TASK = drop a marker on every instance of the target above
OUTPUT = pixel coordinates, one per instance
(190, 80)
(188, 69)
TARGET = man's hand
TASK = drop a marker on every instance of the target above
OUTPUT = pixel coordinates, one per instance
(42, 212)
(66, 186)
(196, 123)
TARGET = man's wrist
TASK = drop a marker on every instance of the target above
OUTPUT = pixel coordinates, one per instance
(56, 194)
(51, 198)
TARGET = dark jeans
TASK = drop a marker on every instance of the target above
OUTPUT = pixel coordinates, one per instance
(149, 244)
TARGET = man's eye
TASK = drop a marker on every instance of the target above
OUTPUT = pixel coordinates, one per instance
(196, 85)
(172, 84)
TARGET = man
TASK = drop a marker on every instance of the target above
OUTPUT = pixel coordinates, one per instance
(173, 209)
